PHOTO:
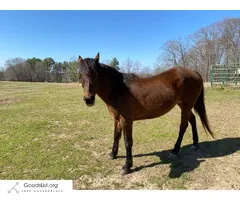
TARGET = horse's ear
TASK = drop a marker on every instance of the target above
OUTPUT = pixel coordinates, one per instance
(97, 58)
(79, 59)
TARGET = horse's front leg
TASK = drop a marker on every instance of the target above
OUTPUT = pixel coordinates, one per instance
(127, 131)
(117, 136)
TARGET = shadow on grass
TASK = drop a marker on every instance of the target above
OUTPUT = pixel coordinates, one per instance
(190, 159)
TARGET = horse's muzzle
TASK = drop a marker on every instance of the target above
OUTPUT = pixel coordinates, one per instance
(89, 100)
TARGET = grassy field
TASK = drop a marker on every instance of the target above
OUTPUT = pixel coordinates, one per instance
(47, 132)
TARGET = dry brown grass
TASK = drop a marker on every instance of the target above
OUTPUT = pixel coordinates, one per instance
(10, 100)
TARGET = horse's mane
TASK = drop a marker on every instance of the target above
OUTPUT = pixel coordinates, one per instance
(119, 77)
(113, 74)
(129, 77)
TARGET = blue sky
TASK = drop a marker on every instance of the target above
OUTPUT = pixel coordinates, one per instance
(63, 35)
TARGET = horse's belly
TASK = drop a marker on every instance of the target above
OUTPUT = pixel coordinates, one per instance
(148, 113)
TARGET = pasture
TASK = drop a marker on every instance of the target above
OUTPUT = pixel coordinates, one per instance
(47, 132)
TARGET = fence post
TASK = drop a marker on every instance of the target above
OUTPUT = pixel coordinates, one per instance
(236, 74)
(223, 75)
(211, 75)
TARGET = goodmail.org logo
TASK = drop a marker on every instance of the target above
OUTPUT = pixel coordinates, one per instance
(35, 186)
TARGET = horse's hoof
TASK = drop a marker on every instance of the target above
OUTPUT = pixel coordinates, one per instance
(125, 171)
(173, 157)
(111, 156)
(195, 147)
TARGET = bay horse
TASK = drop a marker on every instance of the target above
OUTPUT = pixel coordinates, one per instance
(129, 97)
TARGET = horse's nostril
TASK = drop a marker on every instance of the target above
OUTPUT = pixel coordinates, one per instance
(89, 100)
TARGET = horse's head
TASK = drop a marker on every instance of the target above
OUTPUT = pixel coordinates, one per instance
(89, 78)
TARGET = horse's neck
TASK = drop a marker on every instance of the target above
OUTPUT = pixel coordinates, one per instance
(106, 89)
(103, 92)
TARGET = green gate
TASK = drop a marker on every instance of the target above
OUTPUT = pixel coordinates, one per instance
(225, 75)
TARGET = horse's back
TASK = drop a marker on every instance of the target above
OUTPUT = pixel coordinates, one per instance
(176, 78)
(179, 73)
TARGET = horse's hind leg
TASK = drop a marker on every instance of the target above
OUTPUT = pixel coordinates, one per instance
(192, 121)
(117, 136)
(185, 115)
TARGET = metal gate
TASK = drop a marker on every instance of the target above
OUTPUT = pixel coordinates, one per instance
(225, 75)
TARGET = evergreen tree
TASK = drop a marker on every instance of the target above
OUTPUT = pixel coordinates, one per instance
(115, 63)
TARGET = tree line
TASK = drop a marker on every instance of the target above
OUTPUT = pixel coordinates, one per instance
(37, 70)
(48, 70)
(218, 43)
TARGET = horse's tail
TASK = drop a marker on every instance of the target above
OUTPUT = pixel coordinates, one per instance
(199, 107)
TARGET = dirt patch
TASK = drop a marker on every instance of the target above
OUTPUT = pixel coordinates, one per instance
(113, 182)
(217, 174)
(9, 101)
(68, 84)
(5, 101)
(85, 122)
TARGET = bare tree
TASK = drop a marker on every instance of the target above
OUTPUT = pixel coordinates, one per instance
(146, 71)
(130, 66)
(218, 43)
(127, 65)
(174, 53)
(230, 40)
(15, 69)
